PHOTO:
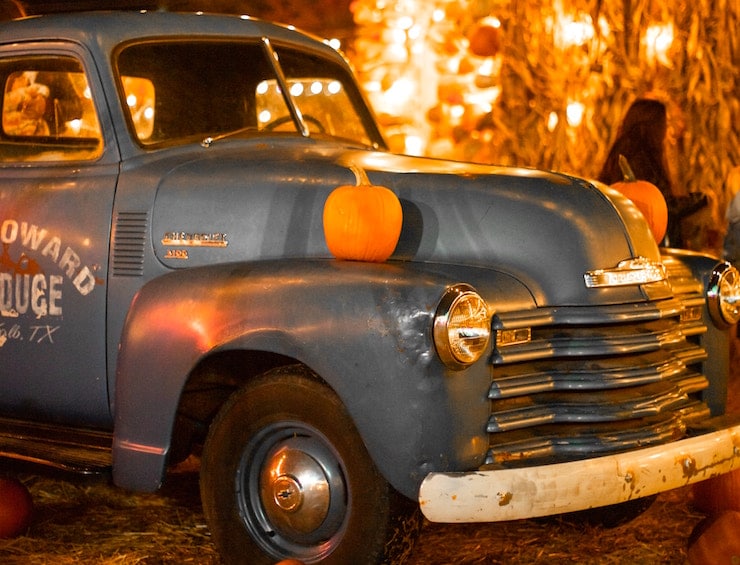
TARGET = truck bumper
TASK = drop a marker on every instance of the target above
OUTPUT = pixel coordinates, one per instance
(512, 494)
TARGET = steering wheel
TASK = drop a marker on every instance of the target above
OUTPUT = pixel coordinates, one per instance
(285, 119)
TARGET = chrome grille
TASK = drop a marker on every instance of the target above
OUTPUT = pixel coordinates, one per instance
(594, 381)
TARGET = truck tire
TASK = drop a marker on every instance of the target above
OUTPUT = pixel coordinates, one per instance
(614, 515)
(285, 474)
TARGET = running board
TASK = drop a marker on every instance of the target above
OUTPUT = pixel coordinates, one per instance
(75, 450)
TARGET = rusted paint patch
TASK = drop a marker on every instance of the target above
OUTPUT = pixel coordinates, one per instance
(688, 466)
(504, 498)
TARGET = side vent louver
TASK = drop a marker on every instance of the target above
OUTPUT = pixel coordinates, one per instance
(129, 239)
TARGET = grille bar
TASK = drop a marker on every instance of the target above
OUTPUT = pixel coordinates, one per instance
(545, 444)
(612, 405)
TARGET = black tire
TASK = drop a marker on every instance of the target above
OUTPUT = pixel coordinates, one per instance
(284, 474)
(614, 515)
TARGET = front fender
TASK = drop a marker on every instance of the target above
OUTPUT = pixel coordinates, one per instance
(364, 328)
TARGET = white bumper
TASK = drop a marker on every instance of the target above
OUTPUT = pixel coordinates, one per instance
(512, 494)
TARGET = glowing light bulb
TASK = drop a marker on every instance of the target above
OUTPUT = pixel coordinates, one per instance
(75, 126)
(265, 116)
(574, 113)
(577, 33)
(414, 145)
(658, 40)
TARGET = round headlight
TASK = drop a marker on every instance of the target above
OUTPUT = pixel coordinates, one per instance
(462, 327)
(723, 295)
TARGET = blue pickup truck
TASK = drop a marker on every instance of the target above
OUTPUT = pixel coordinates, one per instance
(166, 289)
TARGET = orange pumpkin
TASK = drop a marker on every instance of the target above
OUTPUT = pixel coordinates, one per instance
(718, 494)
(484, 38)
(16, 508)
(362, 222)
(716, 540)
(648, 199)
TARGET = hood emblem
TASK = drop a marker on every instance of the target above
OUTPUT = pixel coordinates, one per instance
(636, 271)
(193, 239)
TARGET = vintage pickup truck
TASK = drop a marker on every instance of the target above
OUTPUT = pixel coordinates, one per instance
(166, 289)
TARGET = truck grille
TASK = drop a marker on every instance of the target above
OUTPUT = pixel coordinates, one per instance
(594, 381)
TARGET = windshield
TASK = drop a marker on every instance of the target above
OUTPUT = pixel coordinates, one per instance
(176, 92)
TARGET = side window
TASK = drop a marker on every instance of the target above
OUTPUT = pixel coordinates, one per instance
(47, 111)
(140, 100)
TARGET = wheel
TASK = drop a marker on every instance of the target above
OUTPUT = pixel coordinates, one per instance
(284, 474)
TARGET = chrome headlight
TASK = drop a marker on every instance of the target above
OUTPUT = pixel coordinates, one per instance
(723, 295)
(462, 327)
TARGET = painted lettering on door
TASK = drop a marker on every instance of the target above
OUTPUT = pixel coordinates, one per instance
(26, 291)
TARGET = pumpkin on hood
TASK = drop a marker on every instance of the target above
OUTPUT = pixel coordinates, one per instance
(362, 222)
(647, 197)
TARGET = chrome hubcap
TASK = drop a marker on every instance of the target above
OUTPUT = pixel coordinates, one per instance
(295, 491)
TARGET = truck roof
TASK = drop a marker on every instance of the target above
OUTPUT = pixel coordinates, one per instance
(107, 29)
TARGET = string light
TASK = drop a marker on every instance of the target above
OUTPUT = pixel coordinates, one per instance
(574, 113)
(438, 84)
(658, 40)
(574, 32)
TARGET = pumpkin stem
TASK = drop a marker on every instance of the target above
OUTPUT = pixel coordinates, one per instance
(361, 178)
(629, 175)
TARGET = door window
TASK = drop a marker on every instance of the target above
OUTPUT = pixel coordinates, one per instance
(47, 111)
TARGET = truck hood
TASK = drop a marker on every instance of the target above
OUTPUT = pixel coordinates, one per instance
(253, 200)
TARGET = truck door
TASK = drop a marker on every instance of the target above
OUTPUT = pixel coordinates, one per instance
(58, 171)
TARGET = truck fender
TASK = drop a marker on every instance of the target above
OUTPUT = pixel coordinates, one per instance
(174, 321)
(364, 328)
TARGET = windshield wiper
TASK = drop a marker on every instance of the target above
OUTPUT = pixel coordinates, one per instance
(208, 141)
